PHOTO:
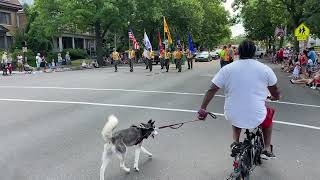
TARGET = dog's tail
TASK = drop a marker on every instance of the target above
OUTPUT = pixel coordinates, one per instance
(108, 127)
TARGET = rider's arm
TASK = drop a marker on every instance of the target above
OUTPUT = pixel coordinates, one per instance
(274, 91)
(209, 95)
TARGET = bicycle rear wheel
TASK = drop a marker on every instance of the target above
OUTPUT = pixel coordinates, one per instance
(243, 178)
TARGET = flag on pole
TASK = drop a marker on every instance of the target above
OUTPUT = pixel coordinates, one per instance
(191, 48)
(179, 43)
(146, 41)
(166, 30)
(133, 39)
(160, 43)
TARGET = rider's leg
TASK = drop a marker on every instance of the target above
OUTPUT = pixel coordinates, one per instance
(236, 134)
(267, 133)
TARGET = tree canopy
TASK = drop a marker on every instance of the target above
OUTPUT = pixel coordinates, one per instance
(261, 17)
(206, 20)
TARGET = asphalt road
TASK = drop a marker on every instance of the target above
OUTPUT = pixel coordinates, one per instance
(50, 126)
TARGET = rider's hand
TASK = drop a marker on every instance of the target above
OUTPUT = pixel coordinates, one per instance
(202, 114)
(271, 98)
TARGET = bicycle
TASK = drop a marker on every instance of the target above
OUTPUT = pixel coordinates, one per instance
(247, 155)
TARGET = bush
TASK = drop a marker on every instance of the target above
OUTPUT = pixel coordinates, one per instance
(29, 55)
(75, 53)
(52, 55)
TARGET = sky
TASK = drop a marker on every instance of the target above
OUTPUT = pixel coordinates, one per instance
(236, 29)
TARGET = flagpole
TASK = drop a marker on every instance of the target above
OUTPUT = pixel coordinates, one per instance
(128, 33)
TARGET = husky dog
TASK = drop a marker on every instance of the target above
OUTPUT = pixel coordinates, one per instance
(117, 142)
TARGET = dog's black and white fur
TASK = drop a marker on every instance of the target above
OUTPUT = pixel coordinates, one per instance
(117, 142)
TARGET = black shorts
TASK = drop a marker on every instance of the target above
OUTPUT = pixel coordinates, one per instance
(42, 64)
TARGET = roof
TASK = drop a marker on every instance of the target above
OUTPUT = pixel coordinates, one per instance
(11, 4)
(3, 29)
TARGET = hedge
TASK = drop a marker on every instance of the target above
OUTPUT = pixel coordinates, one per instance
(75, 53)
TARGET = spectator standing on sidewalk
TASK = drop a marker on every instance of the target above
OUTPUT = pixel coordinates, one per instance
(20, 62)
(68, 58)
(38, 61)
(4, 63)
(303, 63)
(9, 64)
(59, 59)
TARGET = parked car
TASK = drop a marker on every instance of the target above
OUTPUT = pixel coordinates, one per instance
(203, 56)
(215, 54)
(260, 52)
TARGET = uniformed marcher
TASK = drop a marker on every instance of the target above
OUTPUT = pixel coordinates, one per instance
(178, 59)
(190, 59)
(132, 57)
(167, 56)
(116, 58)
(162, 59)
(150, 57)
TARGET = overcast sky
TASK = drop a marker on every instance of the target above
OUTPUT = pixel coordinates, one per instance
(236, 29)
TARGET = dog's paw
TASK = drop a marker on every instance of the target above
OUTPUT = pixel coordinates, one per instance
(136, 169)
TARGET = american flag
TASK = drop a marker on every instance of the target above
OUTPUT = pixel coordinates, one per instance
(133, 39)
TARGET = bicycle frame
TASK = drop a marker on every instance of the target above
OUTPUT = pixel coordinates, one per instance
(249, 155)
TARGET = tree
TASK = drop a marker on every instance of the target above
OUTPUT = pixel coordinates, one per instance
(102, 16)
(281, 12)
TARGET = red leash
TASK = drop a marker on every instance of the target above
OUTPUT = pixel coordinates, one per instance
(179, 125)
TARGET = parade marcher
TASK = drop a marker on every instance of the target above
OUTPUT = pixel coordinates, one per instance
(116, 58)
(230, 54)
(162, 59)
(145, 55)
(132, 56)
(4, 63)
(190, 59)
(167, 56)
(149, 59)
(223, 56)
(178, 59)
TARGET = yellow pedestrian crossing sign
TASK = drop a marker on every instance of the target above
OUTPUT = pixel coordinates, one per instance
(302, 32)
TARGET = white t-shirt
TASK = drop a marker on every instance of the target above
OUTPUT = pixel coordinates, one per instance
(286, 53)
(38, 58)
(245, 83)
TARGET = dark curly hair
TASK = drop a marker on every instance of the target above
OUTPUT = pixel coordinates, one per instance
(247, 49)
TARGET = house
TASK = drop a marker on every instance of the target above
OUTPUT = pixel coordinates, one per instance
(68, 40)
(11, 18)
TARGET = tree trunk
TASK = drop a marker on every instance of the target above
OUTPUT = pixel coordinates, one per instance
(98, 42)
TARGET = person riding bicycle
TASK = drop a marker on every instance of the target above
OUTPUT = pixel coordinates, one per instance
(246, 83)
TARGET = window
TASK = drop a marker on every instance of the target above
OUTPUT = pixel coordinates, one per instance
(5, 18)
(2, 42)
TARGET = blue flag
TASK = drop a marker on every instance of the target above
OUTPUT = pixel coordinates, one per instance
(191, 48)
(179, 43)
